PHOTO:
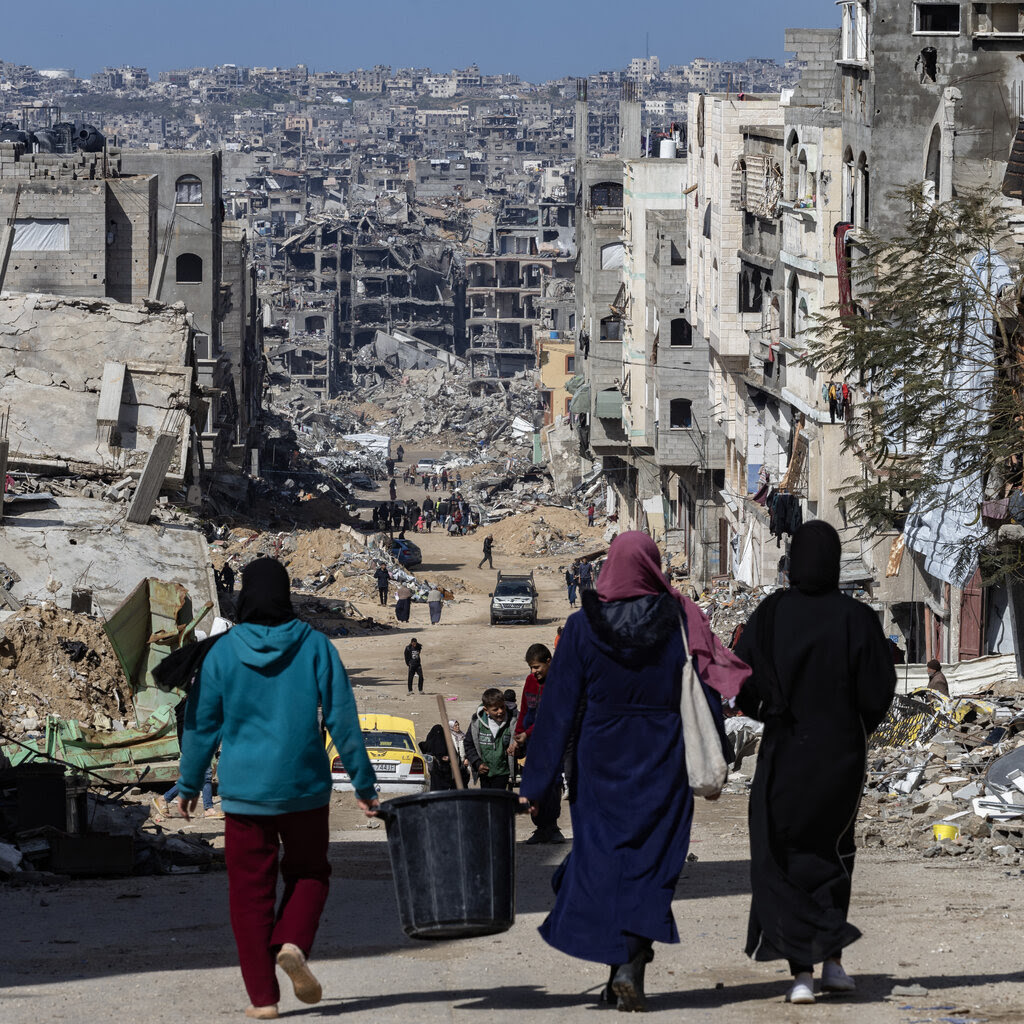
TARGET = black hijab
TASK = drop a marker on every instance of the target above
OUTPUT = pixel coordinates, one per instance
(814, 558)
(265, 598)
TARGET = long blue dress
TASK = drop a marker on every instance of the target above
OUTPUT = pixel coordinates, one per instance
(618, 667)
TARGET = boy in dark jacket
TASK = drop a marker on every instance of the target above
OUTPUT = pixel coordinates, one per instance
(413, 652)
(488, 739)
(538, 657)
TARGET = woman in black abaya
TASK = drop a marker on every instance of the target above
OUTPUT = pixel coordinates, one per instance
(822, 681)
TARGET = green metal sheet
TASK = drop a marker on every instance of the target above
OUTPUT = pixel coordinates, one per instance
(580, 401)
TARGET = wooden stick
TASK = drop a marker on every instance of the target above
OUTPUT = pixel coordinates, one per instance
(453, 755)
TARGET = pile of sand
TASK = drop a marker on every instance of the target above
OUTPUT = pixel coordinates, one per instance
(548, 529)
(53, 661)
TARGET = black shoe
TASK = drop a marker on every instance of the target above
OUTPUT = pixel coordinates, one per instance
(628, 983)
(421, 689)
(608, 996)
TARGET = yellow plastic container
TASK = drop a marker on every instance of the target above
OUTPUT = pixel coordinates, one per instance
(945, 830)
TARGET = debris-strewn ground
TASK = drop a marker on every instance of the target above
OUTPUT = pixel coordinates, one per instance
(53, 661)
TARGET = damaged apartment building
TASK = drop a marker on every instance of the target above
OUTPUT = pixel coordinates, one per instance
(146, 229)
(693, 397)
(344, 277)
(519, 291)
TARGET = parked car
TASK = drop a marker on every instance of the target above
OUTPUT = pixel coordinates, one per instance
(427, 466)
(514, 599)
(406, 553)
(396, 758)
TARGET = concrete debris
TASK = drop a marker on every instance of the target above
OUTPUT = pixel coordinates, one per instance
(939, 761)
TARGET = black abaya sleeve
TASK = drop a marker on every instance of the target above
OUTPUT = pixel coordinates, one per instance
(874, 673)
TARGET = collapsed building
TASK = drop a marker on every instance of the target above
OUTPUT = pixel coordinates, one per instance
(345, 277)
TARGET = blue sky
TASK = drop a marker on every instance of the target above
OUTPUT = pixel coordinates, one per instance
(536, 40)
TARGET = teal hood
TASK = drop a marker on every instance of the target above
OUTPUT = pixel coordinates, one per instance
(262, 647)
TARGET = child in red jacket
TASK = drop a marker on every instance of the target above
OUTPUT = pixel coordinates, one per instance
(538, 657)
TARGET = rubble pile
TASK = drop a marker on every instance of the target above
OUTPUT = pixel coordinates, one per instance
(946, 777)
(551, 530)
(729, 604)
(448, 407)
(58, 662)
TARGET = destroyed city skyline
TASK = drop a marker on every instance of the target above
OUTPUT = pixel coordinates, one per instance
(452, 33)
(397, 403)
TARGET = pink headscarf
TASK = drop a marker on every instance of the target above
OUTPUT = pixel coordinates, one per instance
(632, 569)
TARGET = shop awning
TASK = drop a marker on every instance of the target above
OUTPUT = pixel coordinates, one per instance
(608, 404)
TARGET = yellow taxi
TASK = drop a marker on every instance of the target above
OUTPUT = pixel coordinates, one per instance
(396, 759)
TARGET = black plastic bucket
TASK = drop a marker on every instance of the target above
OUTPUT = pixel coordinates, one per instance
(453, 859)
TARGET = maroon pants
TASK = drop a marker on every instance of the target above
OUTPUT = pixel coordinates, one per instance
(261, 927)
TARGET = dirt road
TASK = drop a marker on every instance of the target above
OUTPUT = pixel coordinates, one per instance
(156, 950)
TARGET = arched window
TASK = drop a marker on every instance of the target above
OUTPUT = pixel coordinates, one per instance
(681, 332)
(863, 191)
(188, 191)
(792, 181)
(606, 194)
(189, 268)
(849, 187)
(611, 329)
(933, 167)
(612, 255)
(680, 413)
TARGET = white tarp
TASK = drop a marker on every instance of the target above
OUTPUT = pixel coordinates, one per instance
(964, 677)
(612, 256)
(944, 526)
(41, 236)
(372, 442)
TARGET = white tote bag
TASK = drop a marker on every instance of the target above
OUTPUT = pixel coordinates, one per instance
(705, 761)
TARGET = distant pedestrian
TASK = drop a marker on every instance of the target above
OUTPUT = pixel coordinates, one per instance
(403, 602)
(401, 454)
(227, 578)
(414, 659)
(811, 765)
(426, 482)
(267, 677)
(383, 581)
(458, 480)
(586, 575)
(393, 489)
(441, 776)
(420, 524)
(434, 601)
(488, 548)
(435, 481)
(429, 517)
(572, 582)
(390, 466)
(406, 475)
(936, 678)
(487, 741)
(444, 479)
(590, 514)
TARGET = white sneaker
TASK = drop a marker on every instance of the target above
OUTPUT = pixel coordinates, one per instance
(802, 990)
(835, 979)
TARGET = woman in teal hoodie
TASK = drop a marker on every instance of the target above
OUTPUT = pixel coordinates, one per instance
(256, 696)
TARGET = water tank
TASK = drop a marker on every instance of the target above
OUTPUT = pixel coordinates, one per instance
(667, 149)
(89, 139)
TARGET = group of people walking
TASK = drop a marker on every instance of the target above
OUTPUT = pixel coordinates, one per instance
(404, 595)
(604, 713)
(580, 576)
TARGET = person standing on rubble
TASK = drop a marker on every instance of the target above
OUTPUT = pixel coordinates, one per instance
(936, 678)
(610, 715)
(822, 681)
(257, 694)
(383, 582)
(488, 549)
(590, 514)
